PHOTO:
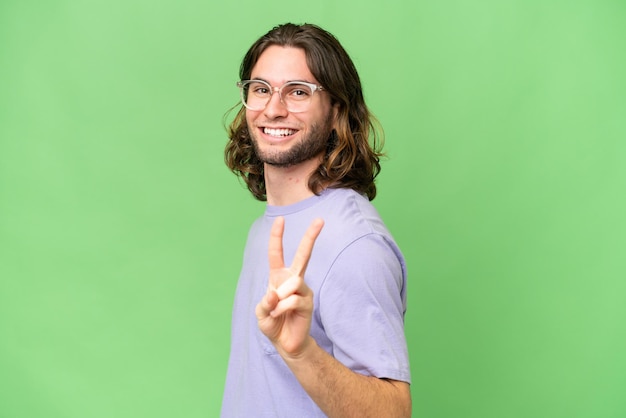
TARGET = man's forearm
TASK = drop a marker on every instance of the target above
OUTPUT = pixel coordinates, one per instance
(340, 392)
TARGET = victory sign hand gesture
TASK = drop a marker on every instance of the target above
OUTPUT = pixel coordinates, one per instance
(284, 313)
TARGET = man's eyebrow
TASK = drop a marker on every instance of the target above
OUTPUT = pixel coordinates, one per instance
(288, 81)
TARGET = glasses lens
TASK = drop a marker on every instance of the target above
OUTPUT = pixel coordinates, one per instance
(296, 96)
(255, 94)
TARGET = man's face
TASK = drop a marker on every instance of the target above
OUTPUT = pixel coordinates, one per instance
(282, 138)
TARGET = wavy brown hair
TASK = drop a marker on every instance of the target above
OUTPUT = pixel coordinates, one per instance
(354, 149)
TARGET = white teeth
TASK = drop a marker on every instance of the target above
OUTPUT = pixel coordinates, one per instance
(278, 132)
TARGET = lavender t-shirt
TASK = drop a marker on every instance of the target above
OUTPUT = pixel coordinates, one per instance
(358, 277)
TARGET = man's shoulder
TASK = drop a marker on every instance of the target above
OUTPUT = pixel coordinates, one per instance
(350, 210)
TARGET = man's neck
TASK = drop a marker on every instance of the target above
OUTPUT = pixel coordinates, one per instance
(289, 185)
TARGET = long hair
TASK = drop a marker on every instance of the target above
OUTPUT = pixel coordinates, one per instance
(354, 149)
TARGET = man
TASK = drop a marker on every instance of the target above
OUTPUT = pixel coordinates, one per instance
(325, 335)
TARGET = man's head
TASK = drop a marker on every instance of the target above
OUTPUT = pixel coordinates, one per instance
(292, 125)
(336, 124)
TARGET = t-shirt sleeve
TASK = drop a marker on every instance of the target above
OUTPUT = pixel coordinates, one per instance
(362, 304)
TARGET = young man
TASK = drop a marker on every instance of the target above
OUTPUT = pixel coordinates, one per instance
(318, 318)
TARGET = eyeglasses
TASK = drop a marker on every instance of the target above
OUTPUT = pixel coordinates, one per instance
(295, 95)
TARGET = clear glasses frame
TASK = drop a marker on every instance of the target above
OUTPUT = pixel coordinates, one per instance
(296, 96)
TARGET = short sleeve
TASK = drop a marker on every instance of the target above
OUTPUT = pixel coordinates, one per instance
(362, 305)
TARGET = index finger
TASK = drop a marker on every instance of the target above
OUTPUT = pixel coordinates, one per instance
(275, 246)
(303, 254)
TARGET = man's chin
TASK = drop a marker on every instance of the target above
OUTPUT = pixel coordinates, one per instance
(281, 162)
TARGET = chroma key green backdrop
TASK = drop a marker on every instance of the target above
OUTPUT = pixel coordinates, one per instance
(121, 230)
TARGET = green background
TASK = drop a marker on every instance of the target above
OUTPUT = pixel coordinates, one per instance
(121, 230)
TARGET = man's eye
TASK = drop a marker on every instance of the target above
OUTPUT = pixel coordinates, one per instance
(299, 92)
(260, 90)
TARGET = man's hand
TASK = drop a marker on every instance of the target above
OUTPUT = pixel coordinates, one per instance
(284, 313)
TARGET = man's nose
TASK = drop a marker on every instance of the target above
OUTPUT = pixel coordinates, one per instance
(275, 107)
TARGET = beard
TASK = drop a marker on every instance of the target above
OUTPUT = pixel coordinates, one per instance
(314, 143)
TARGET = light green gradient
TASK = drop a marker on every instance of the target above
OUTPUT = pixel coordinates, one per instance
(121, 230)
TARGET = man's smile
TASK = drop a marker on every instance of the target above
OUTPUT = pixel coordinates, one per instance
(279, 132)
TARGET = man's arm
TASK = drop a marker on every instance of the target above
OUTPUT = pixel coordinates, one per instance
(284, 316)
(340, 392)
